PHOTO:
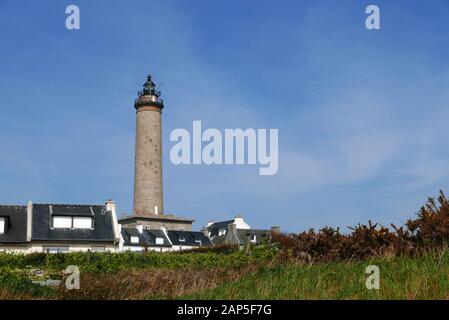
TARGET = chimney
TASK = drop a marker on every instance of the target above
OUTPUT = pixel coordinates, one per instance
(110, 205)
(112, 208)
(29, 220)
(140, 228)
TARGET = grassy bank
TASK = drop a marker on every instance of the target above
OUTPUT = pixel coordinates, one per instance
(422, 277)
(425, 277)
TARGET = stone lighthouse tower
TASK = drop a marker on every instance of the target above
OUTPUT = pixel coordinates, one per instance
(148, 193)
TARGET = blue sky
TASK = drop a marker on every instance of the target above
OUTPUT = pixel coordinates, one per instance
(362, 115)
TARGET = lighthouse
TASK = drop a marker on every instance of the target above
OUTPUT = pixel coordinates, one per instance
(148, 209)
(148, 192)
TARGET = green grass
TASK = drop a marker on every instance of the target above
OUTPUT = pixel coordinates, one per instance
(425, 277)
(14, 285)
(115, 262)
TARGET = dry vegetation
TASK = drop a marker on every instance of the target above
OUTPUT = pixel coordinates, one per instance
(429, 231)
(144, 284)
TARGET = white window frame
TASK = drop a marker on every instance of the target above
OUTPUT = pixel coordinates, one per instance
(159, 240)
(253, 238)
(2, 225)
(222, 232)
(57, 222)
(56, 249)
(98, 249)
(71, 222)
(81, 223)
(134, 240)
(182, 239)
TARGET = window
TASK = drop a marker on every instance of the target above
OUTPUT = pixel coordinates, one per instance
(72, 222)
(253, 238)
(98, 249)
(134, 240)
(62, 222)
(159, 240)
(2, 225)
(56, 249)
(82, 223)
(222, 232)
(182, 239)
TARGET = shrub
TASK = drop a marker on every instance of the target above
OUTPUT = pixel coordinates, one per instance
(430, 231)
(16, 282)
(114, 262)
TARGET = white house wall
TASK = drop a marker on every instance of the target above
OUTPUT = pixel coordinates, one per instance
(141, 249)
(14, 249)
(74, 247)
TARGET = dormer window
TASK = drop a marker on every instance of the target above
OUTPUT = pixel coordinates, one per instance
(82, 223)
(64, 222)
(2, 225)
(222, 232)
(159, 241)
(134, 240)
(182, 239)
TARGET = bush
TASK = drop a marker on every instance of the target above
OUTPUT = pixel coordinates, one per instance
(429, 232)
(114, 262)
(16, 282)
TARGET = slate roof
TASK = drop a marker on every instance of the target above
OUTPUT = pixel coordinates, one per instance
(146, 238)
(243, 236)
(103, 230)
(16, 224)
(72, 210)
(217, 226)
(220, 225)
(190, 238)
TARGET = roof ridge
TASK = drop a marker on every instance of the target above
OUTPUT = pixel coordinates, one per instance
(68, 205)
(12, 206)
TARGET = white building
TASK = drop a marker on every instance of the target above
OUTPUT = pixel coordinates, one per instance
(56, 228)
